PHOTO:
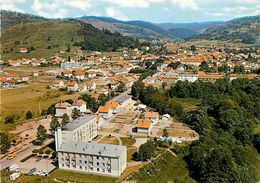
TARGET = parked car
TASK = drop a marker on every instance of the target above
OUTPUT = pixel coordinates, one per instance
(32, 170)
(37, 172)
(43, 173)
(38, 158)
(55, 160)
(14, 176)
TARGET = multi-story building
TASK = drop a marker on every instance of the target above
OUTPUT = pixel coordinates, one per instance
(82, 129)
(93, 158)
(76, 153)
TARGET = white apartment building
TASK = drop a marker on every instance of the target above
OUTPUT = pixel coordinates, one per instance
(76, 153)
(82, 129)
(93, 158)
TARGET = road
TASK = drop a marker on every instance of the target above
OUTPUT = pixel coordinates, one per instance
(4, 163)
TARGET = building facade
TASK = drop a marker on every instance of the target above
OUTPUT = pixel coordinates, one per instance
(93, 158)
(82, 129)
(76, 153)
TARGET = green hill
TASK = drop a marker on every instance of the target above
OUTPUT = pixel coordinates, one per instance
(10, 18)
(241, 30)
(166, 168)
(179, 33)
(45, 36)
(137, 29)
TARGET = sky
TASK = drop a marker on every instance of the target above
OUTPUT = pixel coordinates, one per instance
(157, 11)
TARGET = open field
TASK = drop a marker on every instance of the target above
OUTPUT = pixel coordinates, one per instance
(127, 141)
(35, 98)
(187, 103)
(165, 168)
(109, 140)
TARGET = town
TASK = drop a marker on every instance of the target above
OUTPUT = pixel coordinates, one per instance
(157, 111)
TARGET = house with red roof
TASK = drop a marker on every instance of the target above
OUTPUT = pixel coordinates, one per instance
(72, 86)
(144, 126)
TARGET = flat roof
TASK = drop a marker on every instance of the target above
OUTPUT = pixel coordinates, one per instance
(122, 98)
(90, 148)
(76, 123)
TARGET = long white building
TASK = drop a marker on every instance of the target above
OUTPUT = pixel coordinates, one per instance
(76, 153)
(82, 129)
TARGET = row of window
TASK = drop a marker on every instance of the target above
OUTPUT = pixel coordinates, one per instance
(91, 168)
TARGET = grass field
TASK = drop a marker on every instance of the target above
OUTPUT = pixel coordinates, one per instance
(166, 168)
(130, 153)
(126, 141)
(187, 103)
(59, 176)
(109, 140)
(33, 98)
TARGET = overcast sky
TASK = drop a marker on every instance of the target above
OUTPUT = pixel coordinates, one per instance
(147, 10)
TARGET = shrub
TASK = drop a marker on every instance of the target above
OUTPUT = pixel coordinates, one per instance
(9, 119)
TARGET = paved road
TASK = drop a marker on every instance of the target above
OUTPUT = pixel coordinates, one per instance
(19, 156)
(4, 163)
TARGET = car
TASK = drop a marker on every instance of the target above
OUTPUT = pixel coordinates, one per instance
(55, 160)
(43, 173)
(38, 158)
(32, 170)
(37, 172)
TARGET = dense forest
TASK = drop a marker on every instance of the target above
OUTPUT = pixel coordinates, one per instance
(104, 40)
(227, 150)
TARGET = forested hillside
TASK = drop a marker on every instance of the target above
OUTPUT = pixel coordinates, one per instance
(228, 148)
(35, 33)
(240, 30)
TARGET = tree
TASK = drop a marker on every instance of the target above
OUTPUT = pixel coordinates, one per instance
(164, 84)
(174, 65)
(165, 133)
(137, 89)
(146, 151)
(256, 142)
(65, 119)
(5, 142)
(29, 115)
(193, 48)
(54, 124)
(75, 113)
(121, 87)
(9, 119)
(41, 134)
(91, 102)
(68, 48)
(204, 66)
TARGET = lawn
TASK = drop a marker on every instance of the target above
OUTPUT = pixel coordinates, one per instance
(109, 140)
(166, 168)
(127, 141)
(64, 176)
(130, 153)
(35, 98)
(187, 103)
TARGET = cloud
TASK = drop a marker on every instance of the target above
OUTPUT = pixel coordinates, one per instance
(186, 4)
(11, 5)
(235, 11)
(49, 10)
(130, 3)
(112, 12)
(166, 9)
(79, 4)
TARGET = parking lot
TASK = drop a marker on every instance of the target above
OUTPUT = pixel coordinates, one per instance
(43, 164)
